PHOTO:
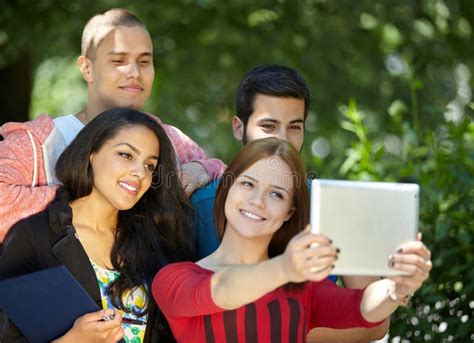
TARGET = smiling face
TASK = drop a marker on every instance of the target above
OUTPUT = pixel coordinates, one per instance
(281, 118)
(123, 167)
(260, 200)
(121, 73)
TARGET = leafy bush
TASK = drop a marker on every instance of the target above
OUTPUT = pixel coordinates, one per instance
(442, 163)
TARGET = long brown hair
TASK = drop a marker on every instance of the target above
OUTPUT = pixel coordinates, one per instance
(248, 156)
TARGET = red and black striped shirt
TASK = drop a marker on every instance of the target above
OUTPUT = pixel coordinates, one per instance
(183, 293)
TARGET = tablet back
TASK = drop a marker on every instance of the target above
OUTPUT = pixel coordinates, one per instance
(367, 221)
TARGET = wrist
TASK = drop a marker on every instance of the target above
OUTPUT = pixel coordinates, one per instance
(64, 339)
(399, 300)
(282, 274)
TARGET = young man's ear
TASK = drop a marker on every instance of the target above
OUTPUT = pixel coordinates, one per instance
(85, 66)
(238, 128)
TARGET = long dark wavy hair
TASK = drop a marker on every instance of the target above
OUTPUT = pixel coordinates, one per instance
(157, 230)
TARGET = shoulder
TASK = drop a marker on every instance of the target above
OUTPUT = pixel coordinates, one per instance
(182, 270)
(36, 221)
(176, 136)
(206, 193)
(23, 244)
(40, 128)
(169, 129)
(321, 284)
(179, 273)
(313, 288)
(29, 227)
(154, 117)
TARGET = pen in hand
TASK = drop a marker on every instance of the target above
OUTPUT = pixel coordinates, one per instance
(133, 321)
(124, 320)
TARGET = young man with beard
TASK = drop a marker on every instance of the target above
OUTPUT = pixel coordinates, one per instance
(273, 101)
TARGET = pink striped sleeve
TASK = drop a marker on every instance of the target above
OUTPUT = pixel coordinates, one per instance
(18, 198)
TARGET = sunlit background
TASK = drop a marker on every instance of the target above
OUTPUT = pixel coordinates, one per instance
(392, 100)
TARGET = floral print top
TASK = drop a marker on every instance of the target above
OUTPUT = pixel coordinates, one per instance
(135, 299)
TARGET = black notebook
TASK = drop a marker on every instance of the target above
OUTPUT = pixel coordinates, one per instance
(45, 304)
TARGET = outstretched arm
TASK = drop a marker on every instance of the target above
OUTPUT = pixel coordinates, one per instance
(236, 286)
(354, 334)
(379, 299)
(373, 304)
(382, 298)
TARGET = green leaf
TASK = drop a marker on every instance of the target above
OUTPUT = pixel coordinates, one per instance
(349, 126)
(262, 16)
(397, 108)
(441, 232)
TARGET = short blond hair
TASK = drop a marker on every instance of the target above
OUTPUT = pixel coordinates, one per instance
(101, 24)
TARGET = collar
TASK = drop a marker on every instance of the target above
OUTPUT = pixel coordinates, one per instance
(60, 213)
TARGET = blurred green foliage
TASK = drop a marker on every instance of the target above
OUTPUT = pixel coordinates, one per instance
(441, 161)
(408, 65)
(366, 50)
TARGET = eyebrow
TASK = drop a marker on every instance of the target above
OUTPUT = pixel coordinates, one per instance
(274, 186)
(122, 53)
(271, 120)
(135, 149)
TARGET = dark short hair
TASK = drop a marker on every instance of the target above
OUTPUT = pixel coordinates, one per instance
(273, 80)
(157, 229)
(101, 24)
(250, 154)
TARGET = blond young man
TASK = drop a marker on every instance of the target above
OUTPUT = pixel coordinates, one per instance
(117, 64)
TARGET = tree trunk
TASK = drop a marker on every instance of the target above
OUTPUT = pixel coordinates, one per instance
(16, 83)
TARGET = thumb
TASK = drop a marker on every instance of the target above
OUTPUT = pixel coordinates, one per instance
(96, 316)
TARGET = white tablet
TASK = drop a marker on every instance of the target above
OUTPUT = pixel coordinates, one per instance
(367, 221)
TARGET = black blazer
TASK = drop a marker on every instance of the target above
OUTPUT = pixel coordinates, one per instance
(46, 240)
